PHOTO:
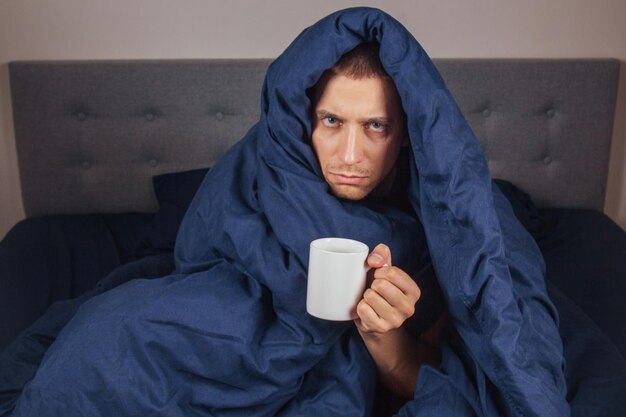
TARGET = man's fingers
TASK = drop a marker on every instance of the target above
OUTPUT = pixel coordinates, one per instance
(369, 320)
(391, 296)
(377, 302)
(394, 296)
(380, 256)
(399, 279)
(388, 316)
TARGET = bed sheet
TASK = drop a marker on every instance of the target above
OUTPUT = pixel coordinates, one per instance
(50, 258)
(585, 253)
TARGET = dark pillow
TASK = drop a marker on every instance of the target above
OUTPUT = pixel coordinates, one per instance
(523, 207)
(174, 192)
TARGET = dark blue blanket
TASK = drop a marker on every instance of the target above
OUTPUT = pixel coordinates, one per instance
(227, 334)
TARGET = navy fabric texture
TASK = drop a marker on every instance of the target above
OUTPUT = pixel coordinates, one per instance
(595, 369)
(50, 258)
(584, 252)
(228, 334)
(21, 359)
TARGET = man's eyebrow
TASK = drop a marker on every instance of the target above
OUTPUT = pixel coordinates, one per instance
(381, 120)
(325, 113)
(376, 119)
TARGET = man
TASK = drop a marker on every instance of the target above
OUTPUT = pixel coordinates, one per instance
(358, 133)
(228, 333)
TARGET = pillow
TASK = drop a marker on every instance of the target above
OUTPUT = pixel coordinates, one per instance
(174, 192)
(524, 208)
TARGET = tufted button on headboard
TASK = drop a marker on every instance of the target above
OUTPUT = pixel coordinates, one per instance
(545, 125)
(90, 135)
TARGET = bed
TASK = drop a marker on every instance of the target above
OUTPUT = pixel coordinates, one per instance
(111, 153)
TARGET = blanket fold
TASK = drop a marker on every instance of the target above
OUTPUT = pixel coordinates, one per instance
(228, 333)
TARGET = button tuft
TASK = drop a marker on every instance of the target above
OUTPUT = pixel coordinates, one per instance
(550, 113)
(149, 117)
(486, 113)
(547, 160)
(219, 115)
(81, 116)
(86, 165)
(152, 162)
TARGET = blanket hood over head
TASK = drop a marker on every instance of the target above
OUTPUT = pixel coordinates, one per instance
(228, 334)
(490, 269)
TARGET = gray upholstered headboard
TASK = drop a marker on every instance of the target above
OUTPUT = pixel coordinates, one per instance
(91, 134)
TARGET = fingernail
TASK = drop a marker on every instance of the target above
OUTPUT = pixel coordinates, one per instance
(377, 258)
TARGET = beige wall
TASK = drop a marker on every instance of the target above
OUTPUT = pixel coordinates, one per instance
(96, 29)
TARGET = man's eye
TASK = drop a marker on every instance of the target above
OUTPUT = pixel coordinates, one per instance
(329, 121)
(377, 127)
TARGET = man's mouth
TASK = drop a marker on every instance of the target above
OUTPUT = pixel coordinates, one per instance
(348, 178)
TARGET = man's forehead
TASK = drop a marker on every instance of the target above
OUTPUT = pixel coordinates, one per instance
(375, 96)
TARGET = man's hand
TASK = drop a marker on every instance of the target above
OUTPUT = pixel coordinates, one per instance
(391, 297)
(385, 306)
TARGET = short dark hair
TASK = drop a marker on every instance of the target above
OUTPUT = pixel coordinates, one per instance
(361, 62)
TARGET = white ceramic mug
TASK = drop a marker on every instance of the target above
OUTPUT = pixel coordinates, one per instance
(337, 277)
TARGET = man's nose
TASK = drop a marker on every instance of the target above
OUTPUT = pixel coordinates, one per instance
(351, 151)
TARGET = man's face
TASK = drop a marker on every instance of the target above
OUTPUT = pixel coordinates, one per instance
(358, 130)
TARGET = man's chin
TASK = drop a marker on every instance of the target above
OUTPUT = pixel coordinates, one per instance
(349, 192)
